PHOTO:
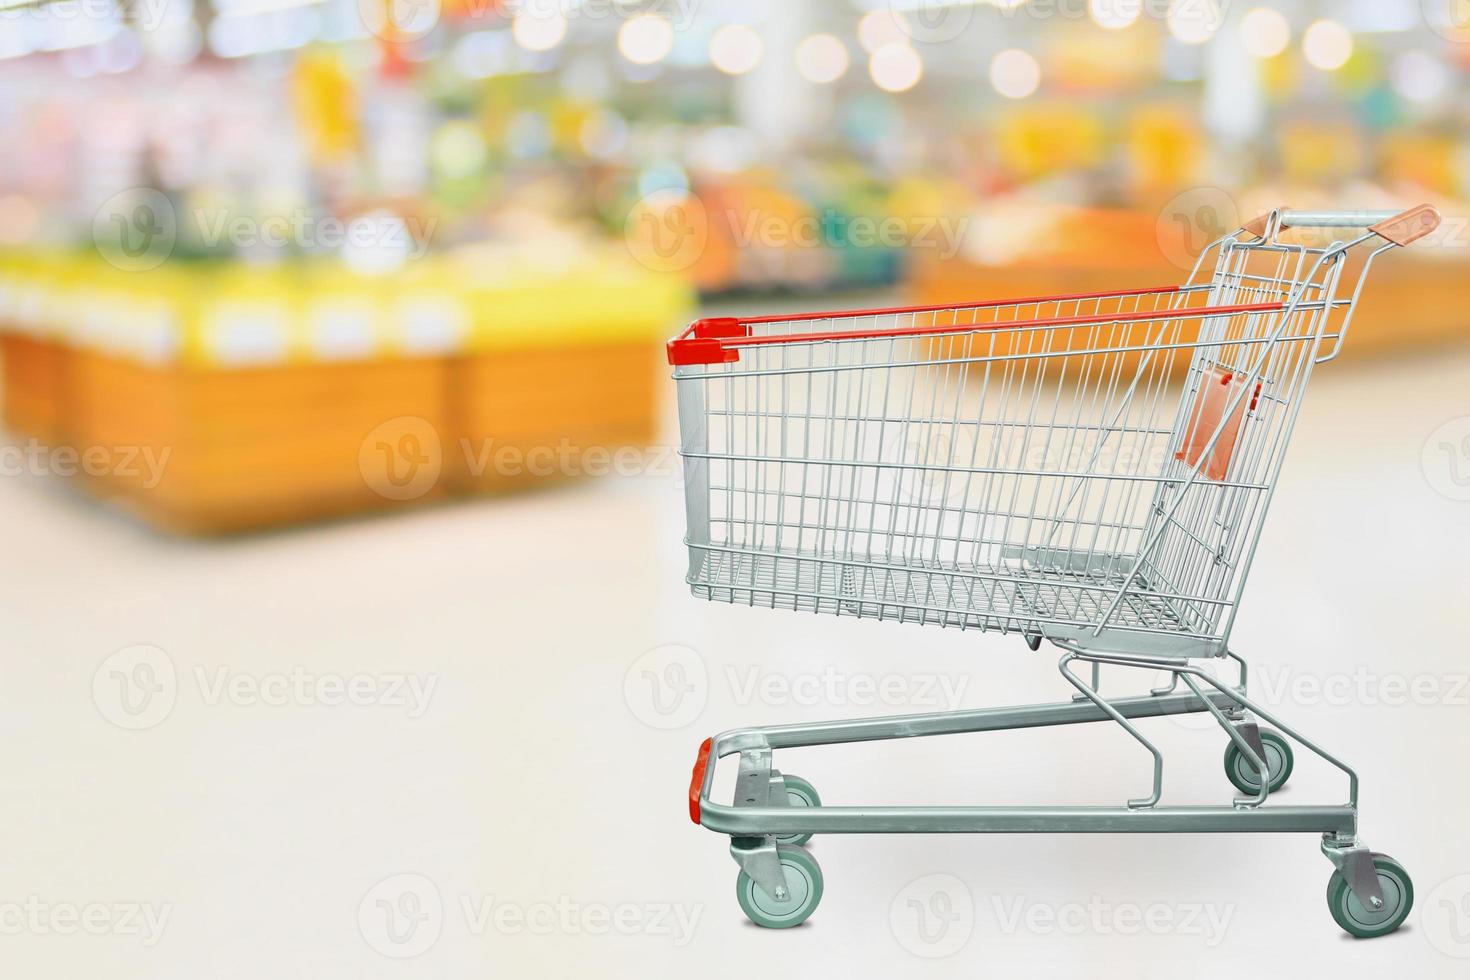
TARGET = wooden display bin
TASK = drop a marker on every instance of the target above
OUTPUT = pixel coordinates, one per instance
(212, 398)
(216, 450)
(532, 416)
(34, 378)
(1407, 303)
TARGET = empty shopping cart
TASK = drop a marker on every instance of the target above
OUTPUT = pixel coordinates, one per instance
(1092, 471)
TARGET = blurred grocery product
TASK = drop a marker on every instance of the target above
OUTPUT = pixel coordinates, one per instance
(243, 232)
(1055, 250)
(216, 397)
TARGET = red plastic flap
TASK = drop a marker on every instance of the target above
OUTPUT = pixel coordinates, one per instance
(1217, 390)
(700, 350)
(719, 327)
(696, 781)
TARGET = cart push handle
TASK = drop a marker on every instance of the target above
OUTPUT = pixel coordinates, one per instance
(1399, 227)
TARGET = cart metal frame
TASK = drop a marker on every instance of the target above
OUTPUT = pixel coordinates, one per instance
(1149, 578)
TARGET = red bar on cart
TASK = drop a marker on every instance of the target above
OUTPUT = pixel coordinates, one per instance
(696, 781)
(690, 348)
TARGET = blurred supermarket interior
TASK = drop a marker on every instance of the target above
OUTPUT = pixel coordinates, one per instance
(268, 262)
(332, 338)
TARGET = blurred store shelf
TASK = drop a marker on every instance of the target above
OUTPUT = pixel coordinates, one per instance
(1066, 251)
(221, 397)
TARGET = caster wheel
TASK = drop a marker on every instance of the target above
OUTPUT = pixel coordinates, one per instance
(1279, 761)
(1366, 923)
(803, 880)
(799, 792)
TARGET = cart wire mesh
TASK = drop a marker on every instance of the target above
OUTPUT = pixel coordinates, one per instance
(1091, 466)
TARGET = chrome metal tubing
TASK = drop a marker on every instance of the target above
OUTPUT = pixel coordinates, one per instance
(952, 723)
(760, 821)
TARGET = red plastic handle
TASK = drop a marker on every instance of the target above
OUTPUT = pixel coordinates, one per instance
(696, 346)
(696, 781)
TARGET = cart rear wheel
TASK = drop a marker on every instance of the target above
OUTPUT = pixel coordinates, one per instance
(803, 881)
(799, 792)
(1279, 762)
(1365, 923)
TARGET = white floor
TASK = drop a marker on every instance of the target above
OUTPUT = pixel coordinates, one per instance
(521, 812)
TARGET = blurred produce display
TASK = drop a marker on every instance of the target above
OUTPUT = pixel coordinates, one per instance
(1067, 251)
(217, 396)
(749, 145)
(227, 224)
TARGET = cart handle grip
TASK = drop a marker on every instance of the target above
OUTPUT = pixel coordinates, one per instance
(1399, 227)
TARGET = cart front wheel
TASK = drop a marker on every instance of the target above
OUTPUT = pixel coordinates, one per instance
(799, 792)
(803, 884)
(1365, 923)
(1242, 772)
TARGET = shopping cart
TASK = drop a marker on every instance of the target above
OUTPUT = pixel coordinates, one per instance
(1030, 466)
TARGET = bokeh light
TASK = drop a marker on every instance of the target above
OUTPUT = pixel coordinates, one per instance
(1420, 77)
(1114, 14)
(1327, 45)
(1194, 21)
(537, 29)
(821, 59)
(896, 67)
(1015, 73)
(736, 49)
(1265, 32)
(879, 28)
(646, 39)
